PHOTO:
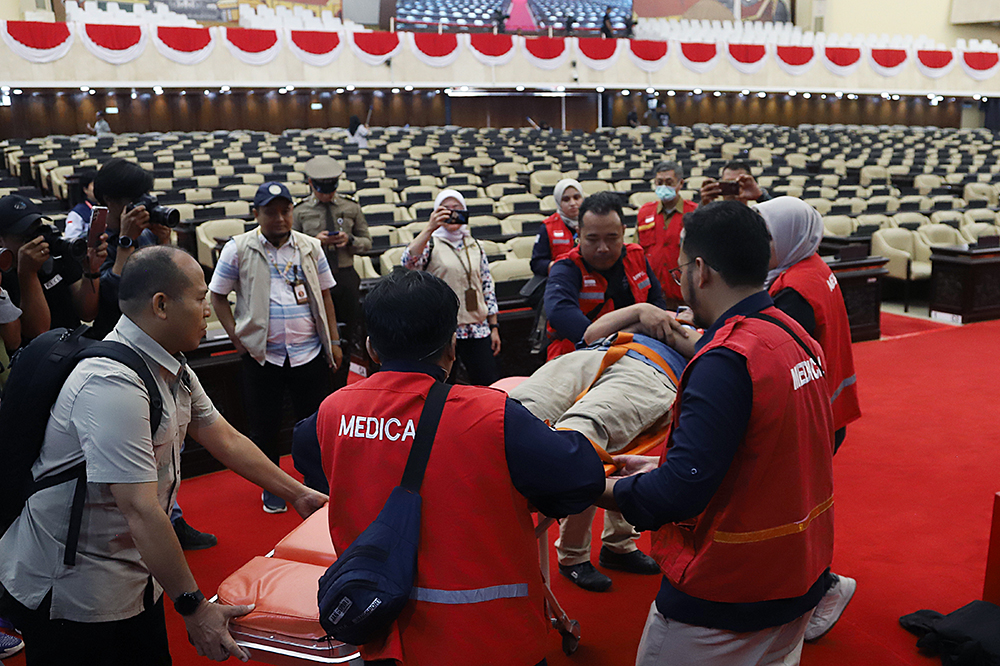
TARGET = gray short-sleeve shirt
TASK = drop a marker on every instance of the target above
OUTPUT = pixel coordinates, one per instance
(102, 416)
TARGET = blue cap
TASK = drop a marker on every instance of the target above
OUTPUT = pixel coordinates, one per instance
(270, 191)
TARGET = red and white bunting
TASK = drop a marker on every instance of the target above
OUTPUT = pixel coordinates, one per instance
(795, 60)
(117, 44)
(490, 49)
(933, 63)
(251, 46)
(545, 52)
(980, 65)
(699, 57)
(888, 62)
(434, 49)
(649, 56)
(36, 41)
(597, 53)
(842, 60)
(317, 48)
(747, 58)
(375, 48)
(183, 45)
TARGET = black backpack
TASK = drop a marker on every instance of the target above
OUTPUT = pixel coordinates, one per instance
(365, 590)
(37, 374)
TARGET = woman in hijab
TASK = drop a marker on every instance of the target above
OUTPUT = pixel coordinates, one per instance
(804, 288)
(358, 132)
(446, 249)
(558, 235)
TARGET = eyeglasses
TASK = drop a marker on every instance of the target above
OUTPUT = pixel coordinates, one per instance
(676, 273)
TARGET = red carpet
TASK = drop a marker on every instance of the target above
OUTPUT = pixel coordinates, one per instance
(915, 483)
(894, 325)
(521, 17)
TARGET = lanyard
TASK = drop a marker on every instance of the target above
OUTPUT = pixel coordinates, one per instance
(289, 265)
(467, 269)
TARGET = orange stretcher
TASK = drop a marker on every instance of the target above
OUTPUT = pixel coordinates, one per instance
(284, 627)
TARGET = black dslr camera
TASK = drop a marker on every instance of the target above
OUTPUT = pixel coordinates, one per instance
(59, 246)
(165, 215)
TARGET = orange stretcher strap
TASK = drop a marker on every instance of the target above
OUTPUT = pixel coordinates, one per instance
(774, 532)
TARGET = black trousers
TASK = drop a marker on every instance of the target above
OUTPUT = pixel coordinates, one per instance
(136, 641)
(264, 388)
(476, 354)
(348, 310)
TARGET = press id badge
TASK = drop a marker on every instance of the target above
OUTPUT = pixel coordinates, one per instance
(301, 296)
(471, 300)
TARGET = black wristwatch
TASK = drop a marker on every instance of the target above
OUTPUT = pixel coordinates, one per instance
(187, 603)
(125, 241)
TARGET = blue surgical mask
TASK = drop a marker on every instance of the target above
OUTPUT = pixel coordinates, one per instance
(665, 193)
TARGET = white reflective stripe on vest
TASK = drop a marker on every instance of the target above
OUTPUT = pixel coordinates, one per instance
(469, 596)
(844, 384)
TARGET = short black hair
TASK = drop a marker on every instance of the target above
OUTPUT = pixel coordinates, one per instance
(601, 203)
(411, 315)
(87, 177)
(732, 238)
(149, 271)
(736, 165)
(121, 179)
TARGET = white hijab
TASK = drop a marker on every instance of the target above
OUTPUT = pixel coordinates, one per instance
(558, 191)
(452, 237)
(796, 229)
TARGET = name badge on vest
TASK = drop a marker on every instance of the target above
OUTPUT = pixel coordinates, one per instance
(471, 300)
(301, 296)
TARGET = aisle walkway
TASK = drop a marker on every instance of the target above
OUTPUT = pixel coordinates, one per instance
(521, 17)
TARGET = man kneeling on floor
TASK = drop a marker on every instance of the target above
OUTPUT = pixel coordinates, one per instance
(478, 591)
(611, 407)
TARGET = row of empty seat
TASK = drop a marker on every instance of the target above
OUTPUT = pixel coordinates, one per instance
(126, 13)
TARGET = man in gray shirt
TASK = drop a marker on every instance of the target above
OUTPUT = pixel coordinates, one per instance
(108, 607)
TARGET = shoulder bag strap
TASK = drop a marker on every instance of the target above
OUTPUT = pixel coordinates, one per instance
(780, 324)
(420, 452)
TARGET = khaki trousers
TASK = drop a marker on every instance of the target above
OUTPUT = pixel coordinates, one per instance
(668, 642)
(628, 398)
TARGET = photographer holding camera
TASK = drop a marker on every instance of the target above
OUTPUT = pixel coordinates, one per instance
(134, 220)
(53, 281)
(447, 249)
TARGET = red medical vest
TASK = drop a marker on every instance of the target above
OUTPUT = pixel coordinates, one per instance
(592, 292)
(816, 283)
(561, 239)
(661, 239)
(767, 533)
(479, 589)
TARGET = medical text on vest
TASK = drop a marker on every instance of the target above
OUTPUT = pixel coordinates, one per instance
(373, 427)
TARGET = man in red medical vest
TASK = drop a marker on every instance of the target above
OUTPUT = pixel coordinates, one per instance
(491, 462)
(601, 274)
(658, 226)
(742, 500)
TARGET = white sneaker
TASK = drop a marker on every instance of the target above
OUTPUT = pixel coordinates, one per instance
(830, 607)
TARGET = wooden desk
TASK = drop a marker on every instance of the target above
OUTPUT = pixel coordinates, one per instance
(861, 283)
(831, 245)
(965, 284)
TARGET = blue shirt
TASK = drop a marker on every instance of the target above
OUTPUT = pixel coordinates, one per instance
(716, 401)
(668, 354)
(562, 296)
(558, 471)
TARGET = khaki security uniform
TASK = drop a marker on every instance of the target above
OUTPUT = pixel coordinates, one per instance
(342, 214)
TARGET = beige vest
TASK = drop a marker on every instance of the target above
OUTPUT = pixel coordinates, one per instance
(450, 265)
(253, 292)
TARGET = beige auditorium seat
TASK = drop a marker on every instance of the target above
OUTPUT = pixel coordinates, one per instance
(926, 182)
(384, 235)
(952, 218)
(371, 195)
(973, 232)
(839, 226)
(521, 246)
(909, 257)
(508, 270)
(876, 219)
(407, 232)
(915, 202)
(508, 203)
(542, 182)
(878, 201)
(595, 186)
(207, 181)
(974, 215)
(399, 214)
(940, 235)
(208, 235)
(786, 190)
(197, 195)
(364, 268)
(416, 193)
(873, 174)
(390, 259)
(980, 192)
(498, 190)
(909, 219)
(822, 205)
(638, 199)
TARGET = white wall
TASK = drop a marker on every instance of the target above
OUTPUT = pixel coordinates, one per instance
(903, 17)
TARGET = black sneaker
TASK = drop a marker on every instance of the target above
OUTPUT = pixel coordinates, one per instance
(586, 576)
(192, 539)
(636, 562)
(273, 503)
